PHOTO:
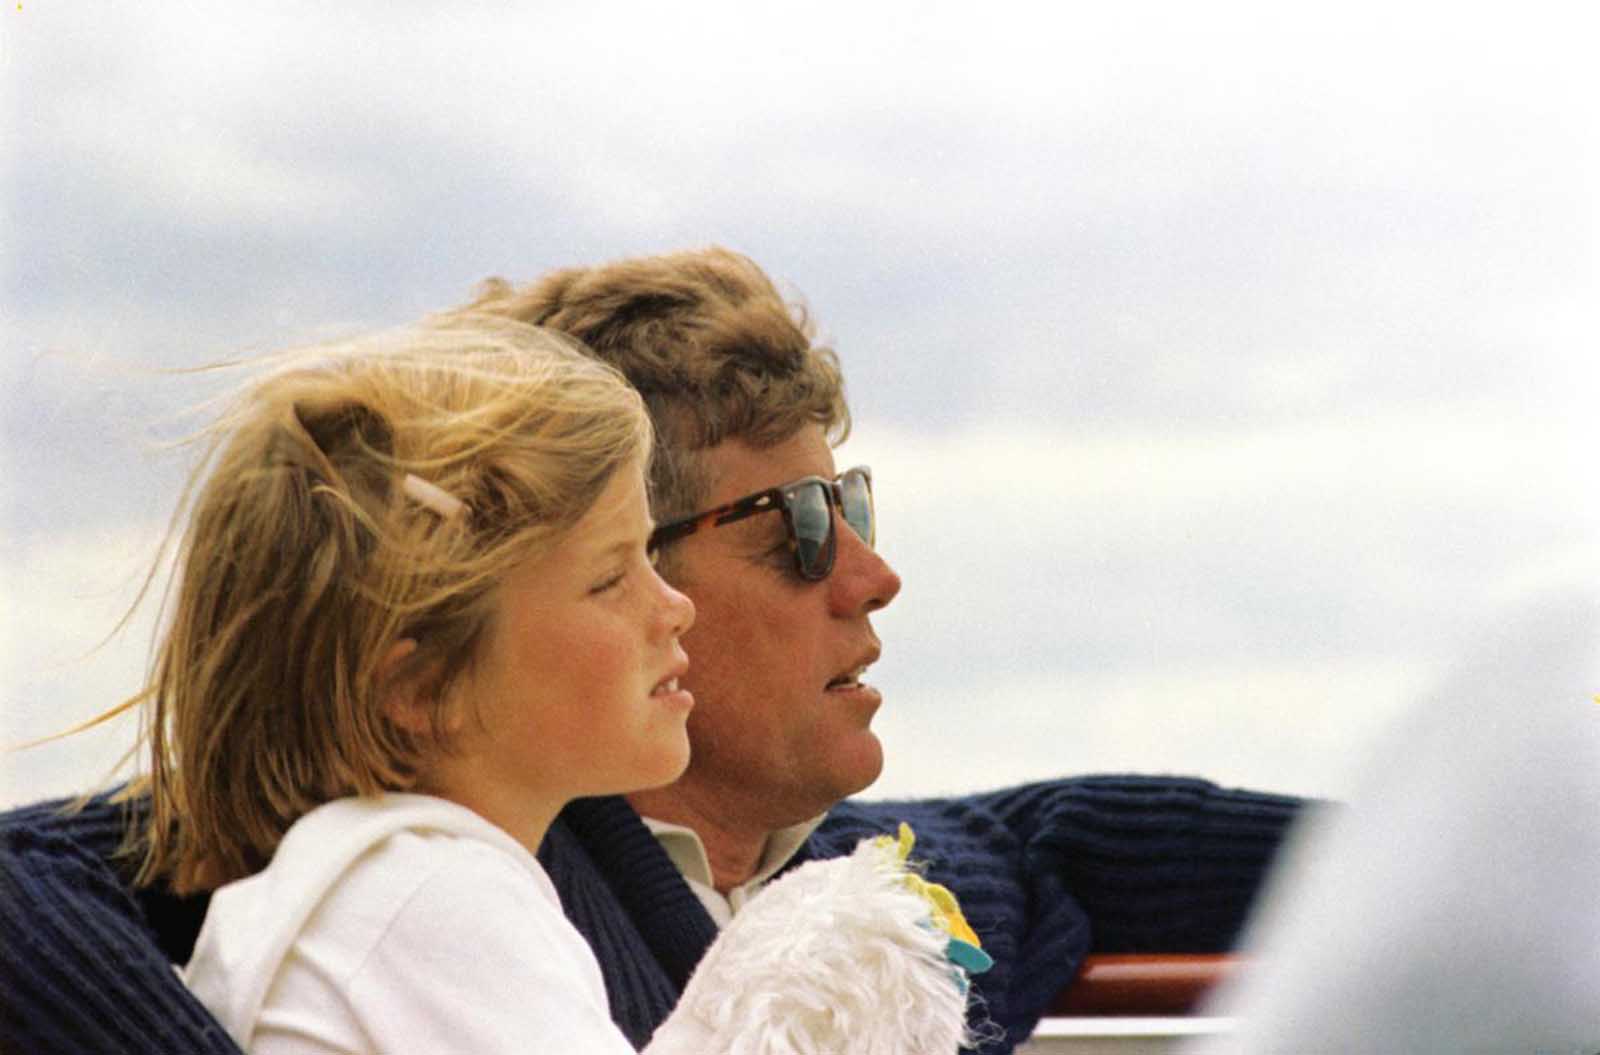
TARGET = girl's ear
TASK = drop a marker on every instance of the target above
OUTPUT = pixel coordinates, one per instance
(400, 690)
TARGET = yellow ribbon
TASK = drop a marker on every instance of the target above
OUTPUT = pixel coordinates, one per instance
(946, 911)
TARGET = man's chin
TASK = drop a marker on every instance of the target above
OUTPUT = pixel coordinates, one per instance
(860, 764)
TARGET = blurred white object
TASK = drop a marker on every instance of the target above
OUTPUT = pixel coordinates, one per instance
(1454, 904)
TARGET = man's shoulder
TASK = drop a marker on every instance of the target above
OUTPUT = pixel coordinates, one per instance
(75, 937)
(976, 812)
(97, 824)
(942, 826)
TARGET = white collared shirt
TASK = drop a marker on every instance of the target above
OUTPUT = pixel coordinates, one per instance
(688, 854)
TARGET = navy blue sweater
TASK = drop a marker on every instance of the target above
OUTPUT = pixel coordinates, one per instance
(1045, 872)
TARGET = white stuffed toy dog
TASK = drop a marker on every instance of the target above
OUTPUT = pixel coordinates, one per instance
(853, 956)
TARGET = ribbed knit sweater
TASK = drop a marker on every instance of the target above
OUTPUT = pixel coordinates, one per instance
(1045, 872)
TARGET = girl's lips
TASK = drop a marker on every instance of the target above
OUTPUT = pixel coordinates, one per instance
(668, 692)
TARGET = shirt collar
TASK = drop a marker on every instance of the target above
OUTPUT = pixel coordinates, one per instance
(687, 852)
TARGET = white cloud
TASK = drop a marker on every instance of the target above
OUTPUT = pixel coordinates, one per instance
(1295, 729)
(1249, 606)
(1418, 456)
(60, 664)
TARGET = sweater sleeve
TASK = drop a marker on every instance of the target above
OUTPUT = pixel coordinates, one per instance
(1028, 922)
(1159, 864)
(1050, 871)
(80, 970)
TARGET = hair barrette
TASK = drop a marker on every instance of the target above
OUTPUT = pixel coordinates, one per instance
(432, 496)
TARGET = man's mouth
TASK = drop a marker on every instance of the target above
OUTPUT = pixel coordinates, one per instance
(848, 680)
(665, 687)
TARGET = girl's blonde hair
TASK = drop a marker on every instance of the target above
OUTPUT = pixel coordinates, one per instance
(352, 497)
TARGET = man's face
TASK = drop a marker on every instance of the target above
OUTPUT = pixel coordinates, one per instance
(781, 728)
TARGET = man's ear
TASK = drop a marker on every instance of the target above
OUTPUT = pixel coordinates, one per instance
(400, 690)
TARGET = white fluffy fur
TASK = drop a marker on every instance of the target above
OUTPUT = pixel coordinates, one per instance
(836, 958)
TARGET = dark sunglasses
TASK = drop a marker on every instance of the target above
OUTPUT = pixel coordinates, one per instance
(807, 506)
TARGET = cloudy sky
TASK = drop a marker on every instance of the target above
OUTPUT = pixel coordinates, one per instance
(1220, 372)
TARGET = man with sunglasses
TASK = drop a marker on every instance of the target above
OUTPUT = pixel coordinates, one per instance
(775, 547)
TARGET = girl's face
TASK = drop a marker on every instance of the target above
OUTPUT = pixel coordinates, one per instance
(577, 682)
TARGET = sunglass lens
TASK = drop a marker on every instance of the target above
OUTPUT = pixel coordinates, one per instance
(855, 491)
(813, 534)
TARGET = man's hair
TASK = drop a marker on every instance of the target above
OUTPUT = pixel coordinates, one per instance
(708, 342)
(352, 497)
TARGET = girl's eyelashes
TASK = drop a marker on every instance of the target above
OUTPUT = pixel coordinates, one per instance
(616, 576)
(610, 581)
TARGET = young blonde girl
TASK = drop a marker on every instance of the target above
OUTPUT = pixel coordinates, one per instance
(415, 616)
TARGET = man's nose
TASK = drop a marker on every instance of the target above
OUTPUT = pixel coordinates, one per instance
(862, 581)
